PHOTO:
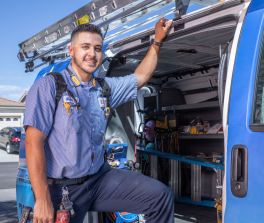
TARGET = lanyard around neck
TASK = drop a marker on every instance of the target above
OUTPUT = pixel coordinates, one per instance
(75, 80)
(73, 77)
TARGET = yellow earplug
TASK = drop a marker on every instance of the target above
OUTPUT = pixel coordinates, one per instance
(67, 106)
(107, 111)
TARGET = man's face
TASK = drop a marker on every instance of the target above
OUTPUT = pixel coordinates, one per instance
(86, 51)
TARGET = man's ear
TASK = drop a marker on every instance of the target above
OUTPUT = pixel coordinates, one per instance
(70, 48)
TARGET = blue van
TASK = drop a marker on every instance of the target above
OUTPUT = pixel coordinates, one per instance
(207, 103)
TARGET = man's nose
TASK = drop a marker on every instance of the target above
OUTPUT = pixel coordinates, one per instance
(91, 52)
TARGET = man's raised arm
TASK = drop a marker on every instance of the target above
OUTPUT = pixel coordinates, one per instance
(148, 65)
(37, 169)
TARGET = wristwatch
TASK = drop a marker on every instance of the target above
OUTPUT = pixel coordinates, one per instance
(156, 43)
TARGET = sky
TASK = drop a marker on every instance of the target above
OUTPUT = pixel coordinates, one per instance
(20, 20)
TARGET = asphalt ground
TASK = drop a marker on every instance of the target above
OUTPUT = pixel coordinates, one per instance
(8, 173)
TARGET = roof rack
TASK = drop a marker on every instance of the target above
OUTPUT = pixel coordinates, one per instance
(107, 14)
(51, 43)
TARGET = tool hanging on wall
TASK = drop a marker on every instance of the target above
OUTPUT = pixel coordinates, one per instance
(173, 120)
(162, 122)
(218, 206)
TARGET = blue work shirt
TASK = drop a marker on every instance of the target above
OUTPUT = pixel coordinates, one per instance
(73, 139)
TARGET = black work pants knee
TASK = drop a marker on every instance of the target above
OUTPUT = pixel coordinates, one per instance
(119, 190)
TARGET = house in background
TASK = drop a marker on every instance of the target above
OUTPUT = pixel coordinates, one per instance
(11, 113)
(23, 97)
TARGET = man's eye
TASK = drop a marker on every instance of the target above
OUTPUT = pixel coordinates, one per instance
(85, 47)
(98, 49)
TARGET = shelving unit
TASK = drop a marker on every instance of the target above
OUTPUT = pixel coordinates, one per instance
(175, 161)
(201, 136)
(211, 104)
(204, 105)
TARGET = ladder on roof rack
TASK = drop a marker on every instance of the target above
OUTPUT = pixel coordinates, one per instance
(51, 43)
(108, 14)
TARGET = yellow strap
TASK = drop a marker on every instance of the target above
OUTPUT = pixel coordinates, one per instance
(94, 84)
(75, 80)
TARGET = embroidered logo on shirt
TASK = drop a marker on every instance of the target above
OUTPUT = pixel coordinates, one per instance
(102, 102)
(69, 100)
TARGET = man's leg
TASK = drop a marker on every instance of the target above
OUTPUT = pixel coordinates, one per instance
(128, 191)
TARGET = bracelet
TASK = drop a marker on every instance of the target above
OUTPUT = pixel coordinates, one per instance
(156, 43)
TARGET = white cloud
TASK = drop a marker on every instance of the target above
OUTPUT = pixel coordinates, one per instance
(12, 92)
(14, 97)
(11, 77)
(4, 88)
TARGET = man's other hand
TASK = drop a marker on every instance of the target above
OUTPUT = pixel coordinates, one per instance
(147, 67)
(161, 30)
(43, 211)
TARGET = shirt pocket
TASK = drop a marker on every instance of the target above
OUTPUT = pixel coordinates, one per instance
(75, 120)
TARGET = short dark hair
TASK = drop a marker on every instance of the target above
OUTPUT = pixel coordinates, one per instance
(86, 28)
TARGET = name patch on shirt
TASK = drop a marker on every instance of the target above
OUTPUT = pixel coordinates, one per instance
(102, 102)
(69, 100)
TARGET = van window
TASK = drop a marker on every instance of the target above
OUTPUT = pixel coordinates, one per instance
(258, 115)
(8, 119)
(11, 133)
(18, 134)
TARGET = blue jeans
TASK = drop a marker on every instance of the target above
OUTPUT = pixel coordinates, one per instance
(119, 190)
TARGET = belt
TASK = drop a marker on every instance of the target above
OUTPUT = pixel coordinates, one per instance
(80, 180)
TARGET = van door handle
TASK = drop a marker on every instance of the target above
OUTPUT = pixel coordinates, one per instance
(239, 171)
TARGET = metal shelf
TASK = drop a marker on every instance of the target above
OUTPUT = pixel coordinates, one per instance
(201, 136)
(185, 159)
(188, 200)
(211, 104)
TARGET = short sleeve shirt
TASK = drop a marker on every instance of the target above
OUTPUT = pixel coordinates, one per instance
(74, 144)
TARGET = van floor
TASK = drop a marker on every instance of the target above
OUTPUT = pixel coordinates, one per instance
(189, 213)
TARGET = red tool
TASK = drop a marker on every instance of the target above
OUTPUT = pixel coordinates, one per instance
(63, 215)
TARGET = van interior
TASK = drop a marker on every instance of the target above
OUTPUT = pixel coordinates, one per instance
(187, 86)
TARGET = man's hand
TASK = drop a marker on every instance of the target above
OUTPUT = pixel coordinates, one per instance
(161, 30)
(43, 211)
(147, 67)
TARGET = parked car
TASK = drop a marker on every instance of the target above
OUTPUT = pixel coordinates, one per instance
(10, 139)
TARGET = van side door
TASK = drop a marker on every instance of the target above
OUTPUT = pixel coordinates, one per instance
(245, 123)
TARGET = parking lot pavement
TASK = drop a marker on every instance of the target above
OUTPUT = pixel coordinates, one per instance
(7, 195)
(6, 158)
(8, 212)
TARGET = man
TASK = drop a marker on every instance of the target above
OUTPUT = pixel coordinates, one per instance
(67, 143)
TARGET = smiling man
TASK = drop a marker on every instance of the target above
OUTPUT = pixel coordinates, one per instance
(64, 137)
